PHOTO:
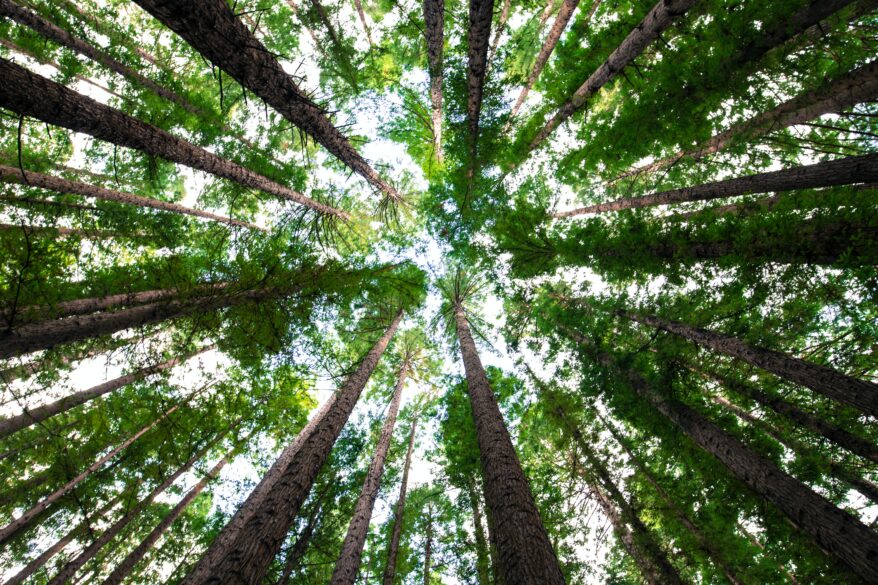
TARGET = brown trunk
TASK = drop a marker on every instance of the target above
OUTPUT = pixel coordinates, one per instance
(246, 557)
(482, 560)
(833, 384)
(298, 551)
(362, 14)
(526, 555)
(59, 185)
(501, 24)
(399, 512)
(481, 13)
(33, 368)
(29, 94)
(845, 171)
(835, 531)
(715, 555)
(428, 548)
(496, 571)
(229, 45)
(434, 30)
(70, 569)
(348, 564)
(656, 21)
(860, 85)
(32, 416)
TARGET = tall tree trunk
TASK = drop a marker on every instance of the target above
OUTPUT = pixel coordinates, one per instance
(362, 14)
(348, 564)
(428, 548)
(32, 95)
(399, 512)
(32, 416)
(229, 45)
(59, 185)
(842, 93)
(494, 552)
(481, 12)
(434, 31)
(716, 556)
(482, 559)
(654, 23)
(246, 557)
(526, 554)
(294, 557)
(70, 569)
(831, 383)
(501, 24)
(845, 171)
(834, 530)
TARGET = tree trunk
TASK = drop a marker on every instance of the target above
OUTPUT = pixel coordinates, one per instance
(526, 555)
(703, 541)
(399, 512)
(428, 548)
(229, 45)
(496, 564)
(501, 24)
(348, 564)
(32, 416)
(834, 530)
(656, 21)
(59, 185)
(362, 14)
(845, 171)
(482, 560)
(831, 383)
(298, 551)
(481, 12)
(860, 85)
(434, 30)
(28, 94)
(70, 569)
(246, 557)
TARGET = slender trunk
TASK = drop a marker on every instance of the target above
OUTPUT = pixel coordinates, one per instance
(755, 542)
(348, 564)
(482, 560)
(835, 531)
(494, 553)
(36, 415)
(526, 554)
(501, 24)
(860, 85)
(831, 383)
(246, 557)
(434, 30)
(26, 487)
(298, 551)
(428, 548)
(28, 94)
(760, 205)
(703, 541)
(656, 21)
(59, 185)
(33, 368)
(481, 12)
(568, 7)
(70, 569)
(63, 232)
(229, 45)
(399, 512)
(362, 14)
(845, 171)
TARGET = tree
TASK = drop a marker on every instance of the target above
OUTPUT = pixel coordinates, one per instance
(399, 513)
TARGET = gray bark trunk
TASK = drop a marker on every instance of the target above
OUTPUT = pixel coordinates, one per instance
(399, 513)
(434, 30)
(481, 12)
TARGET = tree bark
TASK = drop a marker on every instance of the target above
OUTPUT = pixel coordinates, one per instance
(428, 548)
(526, 554)
(32, 416)
(833, 384)
(434, 30)
(246, 557)
(482, 560)
(362, 14)
(481, 12)
(348, 564)
(860, 85)
(229, 44)
(32, 95)
(501, 23)
(59, 185)
(834, 530)
(399, 512)
(494, 553)
(656, 21)
(298, 551)
(845, 171)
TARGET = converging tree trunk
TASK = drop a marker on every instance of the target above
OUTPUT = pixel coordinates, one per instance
(294, 557)
(246, 557)
(230, 45)
(481, 12)
(501, 24)
(348, 564)
(362, 14)
(32, 95)
(428, 548)
(526, 554)
(482, 559)
(399, 512)
(845, 171)
(434, 30)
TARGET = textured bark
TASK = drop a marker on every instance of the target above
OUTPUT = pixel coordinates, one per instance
(482, 560)
(428, 549)
(29, 94)
(247, 557)
(32, 416)
(434, 30)
(481, 13)
(654, 23)
(501, 24)
(69, 570)
(399, 512)
(716, 556)
(496, 570)
(858, 86)
(834, 530)
(212, 28)
(362, 14)
(845, 171)
(348, 564)
(526, 554)
(831, 383)
(294, 557)
(59, 185)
